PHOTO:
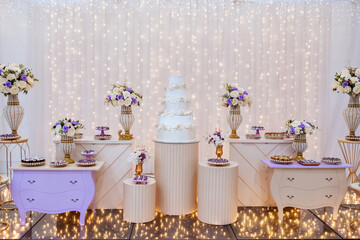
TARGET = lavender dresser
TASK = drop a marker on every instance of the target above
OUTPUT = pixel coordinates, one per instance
(53, 190)
(308, 187)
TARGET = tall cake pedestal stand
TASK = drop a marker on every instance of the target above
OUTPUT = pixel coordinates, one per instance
(176, 177)
(217, 200)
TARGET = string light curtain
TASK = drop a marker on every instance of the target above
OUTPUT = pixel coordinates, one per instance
(278, 51)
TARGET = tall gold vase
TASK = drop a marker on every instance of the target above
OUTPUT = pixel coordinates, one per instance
(219, 151)
(138, 169)
(234, 120)
(300, 146)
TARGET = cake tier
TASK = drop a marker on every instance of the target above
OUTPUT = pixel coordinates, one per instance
(176, 93)
(173, 121)
(176, 80)
(176, 105)
(181, 135)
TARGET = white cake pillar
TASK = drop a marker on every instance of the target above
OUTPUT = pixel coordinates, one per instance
(176, 176)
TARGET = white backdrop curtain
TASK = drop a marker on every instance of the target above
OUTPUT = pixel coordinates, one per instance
(284, 53)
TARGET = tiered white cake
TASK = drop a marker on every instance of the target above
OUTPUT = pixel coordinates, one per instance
(176, 120)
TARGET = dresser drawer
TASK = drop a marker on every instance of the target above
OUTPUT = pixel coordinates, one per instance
(308, 198)
(52, 203)
(53, 183)
(309, 179)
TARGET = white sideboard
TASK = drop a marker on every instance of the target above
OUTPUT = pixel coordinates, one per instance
(254, 177)
(117, 167)
(308, 187)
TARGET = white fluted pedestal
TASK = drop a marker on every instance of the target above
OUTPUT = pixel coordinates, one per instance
(176, 177)
(139, 201)
(217, 199)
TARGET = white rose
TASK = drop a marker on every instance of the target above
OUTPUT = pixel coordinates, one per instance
(121, 89)
(357, 72)
(115, 102)
(11, 76)
(297, 130)
(344, 72)
(353, 80)
(340, 89)
(28, 87)
(347, 76)
(121, 102)
(356, 90)
(21, 84)
(14, 90)
(132, 95)
(2, 66)
(347, 89)
(113, 96)
(126, 94)
(2, 80)
(116, 90)
(30, 81)
(6, 90)
(2, 88)
(235, 102)
(127, 101)
(234, 94)
(335, 84)
(71, 132)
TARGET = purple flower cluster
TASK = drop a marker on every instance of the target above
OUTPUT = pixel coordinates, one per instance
(345, 84)
(228, 101)
(65, 128)
(302, 126)
(74, 123)
(8, 84)
(129, 90)
(245, 92)
(142, 156)
(241, 97)
(57, 123)
(109, 97)
(134, 101)
(235, 89)
(292, 130)
(24, 78)
(1, 71)
(119, 97)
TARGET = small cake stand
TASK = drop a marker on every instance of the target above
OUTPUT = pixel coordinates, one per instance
(102, 135)
(88, 161)
(218, 161)
(258, 129)
(140, 179)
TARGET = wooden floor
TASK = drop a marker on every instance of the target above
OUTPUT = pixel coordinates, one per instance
(254, 222)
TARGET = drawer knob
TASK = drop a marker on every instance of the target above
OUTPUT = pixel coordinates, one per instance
(291, 179)
(328, 196)
(30, 199)
(74, 200)
(290, 197)
(73, 181)
(329, 179)
(31, 181)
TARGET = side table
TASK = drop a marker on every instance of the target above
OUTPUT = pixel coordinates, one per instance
(217, 193)
(351, 153)
(139, 202)
(54, 190)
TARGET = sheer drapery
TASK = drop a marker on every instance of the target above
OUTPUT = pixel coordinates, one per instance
(284, 53)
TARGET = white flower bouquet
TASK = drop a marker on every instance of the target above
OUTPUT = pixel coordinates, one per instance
(348, 81)
(139, 155)
(235, 96)
(122, 95)
(66, 127)
(15, 78)
(295, 127)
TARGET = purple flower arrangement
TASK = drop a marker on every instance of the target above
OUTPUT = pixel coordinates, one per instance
(67, 127)
(347, 81)
(15, 78)
(122, 95)
(140, 155)
(235, 96)
(217, 138)
(295, 127)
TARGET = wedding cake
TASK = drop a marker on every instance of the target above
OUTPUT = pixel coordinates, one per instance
(176, 120)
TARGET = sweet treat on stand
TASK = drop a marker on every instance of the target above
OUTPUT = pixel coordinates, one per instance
(257, 129)
(176, 120)
(281, 159)
(33, 161)
(102, 135)
(309, 162)
(275, 135)
(59, 163)
(9, 136)
(331, 160)
(140, 179)
(352, 138)
(86, 162)
(252, 136)
(218, 161)
(78, 135)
